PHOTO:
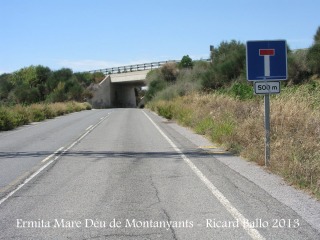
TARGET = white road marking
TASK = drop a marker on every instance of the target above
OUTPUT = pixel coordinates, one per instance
(53, 154)
(253, 233)
(25, 182)
(51, 161)
(89, 127)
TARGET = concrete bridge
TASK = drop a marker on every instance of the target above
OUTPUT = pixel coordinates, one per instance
(118, 89)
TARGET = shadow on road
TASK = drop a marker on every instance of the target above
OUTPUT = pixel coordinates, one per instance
(198, 153)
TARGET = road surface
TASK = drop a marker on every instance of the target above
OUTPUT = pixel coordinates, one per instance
(129, 174)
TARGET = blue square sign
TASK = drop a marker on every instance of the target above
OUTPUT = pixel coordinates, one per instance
(267, 60)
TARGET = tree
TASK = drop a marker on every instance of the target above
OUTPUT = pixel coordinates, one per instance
(73, 89)
(228, 63)
(313, 55)
(298, 69)
(317, 36)
(186, 62)
(58, 94)
(58, 76)
(23, 93)
(43, 74)
(313, 58)
(5, 86)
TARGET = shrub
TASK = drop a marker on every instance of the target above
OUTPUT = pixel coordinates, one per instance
(73, 90)
(37, 112)
(298, 69)
(229, 60)
(49, 111)
(21, 115)
(186, 62)
(169, 72)
(58, 94)
(6, 119)
(98, 77)
(24, 94)
(241, 90)
(204, 126)
(5, 86)
(12, 117)
(165, 110)
(238, 126)
(156, 83)
(210, 80)
(313, 58)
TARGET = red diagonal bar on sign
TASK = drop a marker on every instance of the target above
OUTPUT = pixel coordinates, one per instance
(266, 52)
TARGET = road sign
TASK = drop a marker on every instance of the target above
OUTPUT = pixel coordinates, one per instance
(266, 87)
(267, 60)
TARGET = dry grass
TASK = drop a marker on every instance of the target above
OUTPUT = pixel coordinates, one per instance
(12, 117)
(239, 127)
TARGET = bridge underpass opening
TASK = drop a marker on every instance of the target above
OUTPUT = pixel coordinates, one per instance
(125, 94)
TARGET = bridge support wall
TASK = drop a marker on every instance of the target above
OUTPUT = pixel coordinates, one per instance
(101, 94)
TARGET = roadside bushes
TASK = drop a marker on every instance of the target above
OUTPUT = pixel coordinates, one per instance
(313, 56)
(12, 117)
(228, 64)
(238, 125)
(39, 84)
(216, 100)
(298, 68)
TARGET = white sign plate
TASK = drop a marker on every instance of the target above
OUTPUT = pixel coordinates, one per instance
(266, 87)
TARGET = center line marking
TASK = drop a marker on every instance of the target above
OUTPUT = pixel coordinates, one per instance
(89, 127)
(2, 200)
(53, 154)
(253, 233)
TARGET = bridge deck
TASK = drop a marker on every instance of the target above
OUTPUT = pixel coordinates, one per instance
(138, 76)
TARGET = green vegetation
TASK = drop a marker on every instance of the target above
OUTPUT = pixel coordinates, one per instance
(40, 84)
(216, 100)
(313, 54)
(37, 93)
(17, 115)
(186, 62)
(227, 72)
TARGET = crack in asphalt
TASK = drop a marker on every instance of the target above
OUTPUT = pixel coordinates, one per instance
(163, 210)
(122, 235)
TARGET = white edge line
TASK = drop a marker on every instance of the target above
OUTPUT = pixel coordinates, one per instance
(253, 233)
(25, 182)
(48, 163)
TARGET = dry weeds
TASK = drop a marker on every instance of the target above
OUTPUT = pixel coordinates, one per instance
(239, 127)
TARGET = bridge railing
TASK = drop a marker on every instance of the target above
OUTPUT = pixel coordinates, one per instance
(137, 67)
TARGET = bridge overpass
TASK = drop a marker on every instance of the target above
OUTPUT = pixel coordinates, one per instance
(118, 87)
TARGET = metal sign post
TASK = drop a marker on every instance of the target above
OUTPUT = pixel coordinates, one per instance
(267, 62)
(267, 128)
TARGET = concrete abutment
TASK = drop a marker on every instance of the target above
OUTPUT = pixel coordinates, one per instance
(117, 90)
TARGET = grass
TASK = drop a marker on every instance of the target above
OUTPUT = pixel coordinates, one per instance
(238, 125)
(15, 116)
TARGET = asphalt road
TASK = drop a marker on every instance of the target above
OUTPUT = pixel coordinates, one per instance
(128, 174)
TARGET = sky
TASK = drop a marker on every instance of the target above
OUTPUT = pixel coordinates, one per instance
(94, 34)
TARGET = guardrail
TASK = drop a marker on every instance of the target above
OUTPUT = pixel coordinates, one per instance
(138, 67)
